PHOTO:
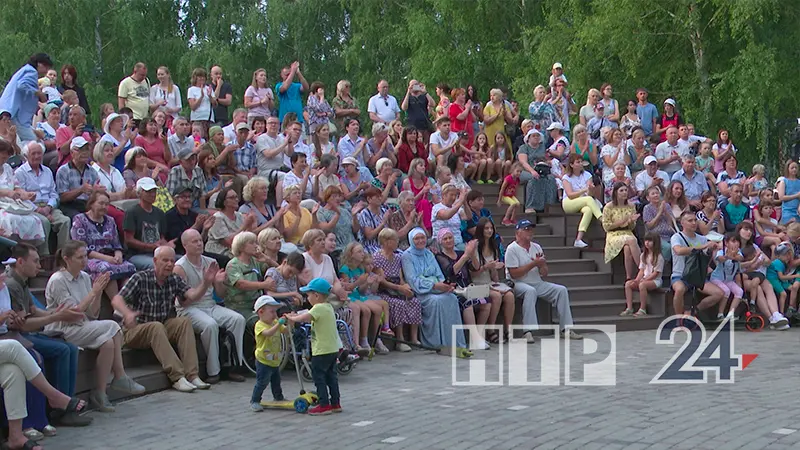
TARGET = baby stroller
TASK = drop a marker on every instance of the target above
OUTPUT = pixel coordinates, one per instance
(346, 360)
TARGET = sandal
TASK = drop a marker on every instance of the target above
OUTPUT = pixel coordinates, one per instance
(463, 353)
(640, 313)
(627, 312)
(493, 337)
(28, 445)
(75, 405)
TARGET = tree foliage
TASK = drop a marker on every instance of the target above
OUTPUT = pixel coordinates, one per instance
(728, 63)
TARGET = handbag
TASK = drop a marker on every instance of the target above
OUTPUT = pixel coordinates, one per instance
(16, 206)
(543, 169)
(695, 269)
(473, 291)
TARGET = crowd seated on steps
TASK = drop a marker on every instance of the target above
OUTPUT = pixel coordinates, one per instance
(185, 221)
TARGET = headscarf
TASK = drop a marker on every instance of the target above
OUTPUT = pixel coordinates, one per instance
(413, 248)
(421, 259)
(442, 233)
(213, 131)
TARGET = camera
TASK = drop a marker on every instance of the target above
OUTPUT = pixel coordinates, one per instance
(88, 128)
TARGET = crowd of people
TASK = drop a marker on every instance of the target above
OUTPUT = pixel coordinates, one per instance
(191, 218)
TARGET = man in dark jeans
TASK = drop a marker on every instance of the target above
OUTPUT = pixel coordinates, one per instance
(60, 358)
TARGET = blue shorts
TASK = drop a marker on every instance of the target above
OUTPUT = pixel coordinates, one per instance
(675, 279)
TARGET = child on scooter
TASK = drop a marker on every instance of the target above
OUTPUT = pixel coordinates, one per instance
(324, 346)
(268, 351)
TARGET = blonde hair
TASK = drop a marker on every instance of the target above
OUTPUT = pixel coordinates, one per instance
(254, 83)
(760, 169)
(387, 234)
(240, 240)
(290, 189)
(347, 255)
(310, 236)
(265, 235)
(592, 92)
(448, 186)
(252, 185)
(97, 153)
(539, 88)
(496, 91)
(169, 75)
(413, 165)
(341, 85)
(392, 133)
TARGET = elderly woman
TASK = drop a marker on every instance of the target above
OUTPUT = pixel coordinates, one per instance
(70, 287)
(456, 267)
(269, 244)
(297, 220)
(576, 199)
(136, 167)
(419, 185)
(495, 114)
(448, 214)
(120, 137)
(16, 204)
(656, 216)
(99, 232)
(558, 150)
(328, 178)
(440, 311)
(404, 307)
(372, 219)
(540, 111)
(380, 146)
(405, 218)
(112, 179)
(356, 178)
(344, 105)
(638, 150)
(386, 180)
(228, 222)
(64, 135)
(319, 110)
(613, 152)
(48, 130)
(337, 219)
(244, 274)
(255, 195)
(223, 155)
(540, 190)
(619, 221)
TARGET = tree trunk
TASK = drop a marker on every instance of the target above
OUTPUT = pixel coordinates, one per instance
(98, 45)
(698, 51)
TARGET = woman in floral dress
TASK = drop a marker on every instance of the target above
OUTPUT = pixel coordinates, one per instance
(404, 307)
(23, 226)
(99, 232)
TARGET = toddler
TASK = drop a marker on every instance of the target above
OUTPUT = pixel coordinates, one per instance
(268, 351)
(198, 134)
(285, 278)
(651, 265)
(324, 346)
(781, 281)
(357, 280)
(728, 261)
(509, 195)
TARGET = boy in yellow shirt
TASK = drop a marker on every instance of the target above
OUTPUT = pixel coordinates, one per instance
(324, 346)
(268, 350)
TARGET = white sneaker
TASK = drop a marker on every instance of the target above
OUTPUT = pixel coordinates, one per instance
(382, 350)
(403, 347)
(580, 244)
(200, 384)
(529, 337)
(779, 322)
(183, 385)
(479, 344)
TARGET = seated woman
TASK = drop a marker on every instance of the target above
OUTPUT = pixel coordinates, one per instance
(676, 199)
(99, 232)
(136, 167)
(440, 307)
(329, 164)
(71, 287)
(540, 190)
(577, 199)
(709, 218)
(620, 170)
(297, 220)
(16, 205)
(270, 246)
(404, 308)
(111, 178)
(448, 214)
(420, 186)
(356, 180)
(405, 218)
(657, 218)
(244, 274)
(491, 272)
(456, 267)
(386, 181)
(372, 219)
(619, 221)
(17, 366)
(354, 278)
(336, 218)
(255, 195)
(228, 222)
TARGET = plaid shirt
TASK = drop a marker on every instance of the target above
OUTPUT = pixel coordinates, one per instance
(154, 302)
(68, 178)
(245, 157)
(177, 179)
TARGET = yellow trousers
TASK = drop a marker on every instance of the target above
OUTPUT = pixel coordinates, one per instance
(585, 205)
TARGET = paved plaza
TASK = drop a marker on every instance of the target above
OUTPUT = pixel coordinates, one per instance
(407, 401)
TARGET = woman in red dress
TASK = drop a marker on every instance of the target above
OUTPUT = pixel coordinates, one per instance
(462, 115)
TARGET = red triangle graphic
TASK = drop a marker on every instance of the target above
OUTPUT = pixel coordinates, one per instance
(747, 359)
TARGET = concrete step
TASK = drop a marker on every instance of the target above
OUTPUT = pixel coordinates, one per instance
(574, 279)
(570, 265)
(630, 323)
(152, 377)
(508, 232)
(590, 293)
(549, 240)
(609, 307)
(561, 252)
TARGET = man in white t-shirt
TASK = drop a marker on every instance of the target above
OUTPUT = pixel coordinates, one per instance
(651, 176)
(229, 131)
(134, 93)
(442, 141)
(683, 243)
(526, 265)
(271, 147)
(383, 107)
(690, 140)
(670, 152)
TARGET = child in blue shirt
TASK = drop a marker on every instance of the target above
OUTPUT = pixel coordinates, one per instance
(724, 275)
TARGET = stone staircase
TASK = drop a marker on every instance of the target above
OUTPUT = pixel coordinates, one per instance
(596, 289)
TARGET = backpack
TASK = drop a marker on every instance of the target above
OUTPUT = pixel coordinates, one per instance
(695, 270)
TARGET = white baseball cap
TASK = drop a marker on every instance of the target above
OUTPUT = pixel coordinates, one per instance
(555, 126)
(77, 142)
(557, 66)
(265, 300)
(350, 160)
(146, 184)
(669, 101)
(650, 159)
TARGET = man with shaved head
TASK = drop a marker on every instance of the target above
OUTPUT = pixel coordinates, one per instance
(147, 306)
(206, 316)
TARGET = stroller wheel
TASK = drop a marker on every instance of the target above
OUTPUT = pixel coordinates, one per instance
(305, 373)
(754, 323)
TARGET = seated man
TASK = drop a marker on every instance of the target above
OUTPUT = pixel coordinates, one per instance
(682, 244)
(734, 210)
(33, 176)
(147, 305)
(60, 358)
(694, 182)
(145, 226)
(205, 314)
(187, 174)
(181, 218)
(75, 180)
(526, 266)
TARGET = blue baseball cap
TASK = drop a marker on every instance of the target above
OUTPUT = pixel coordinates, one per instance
(525, 223)
(317, 285)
